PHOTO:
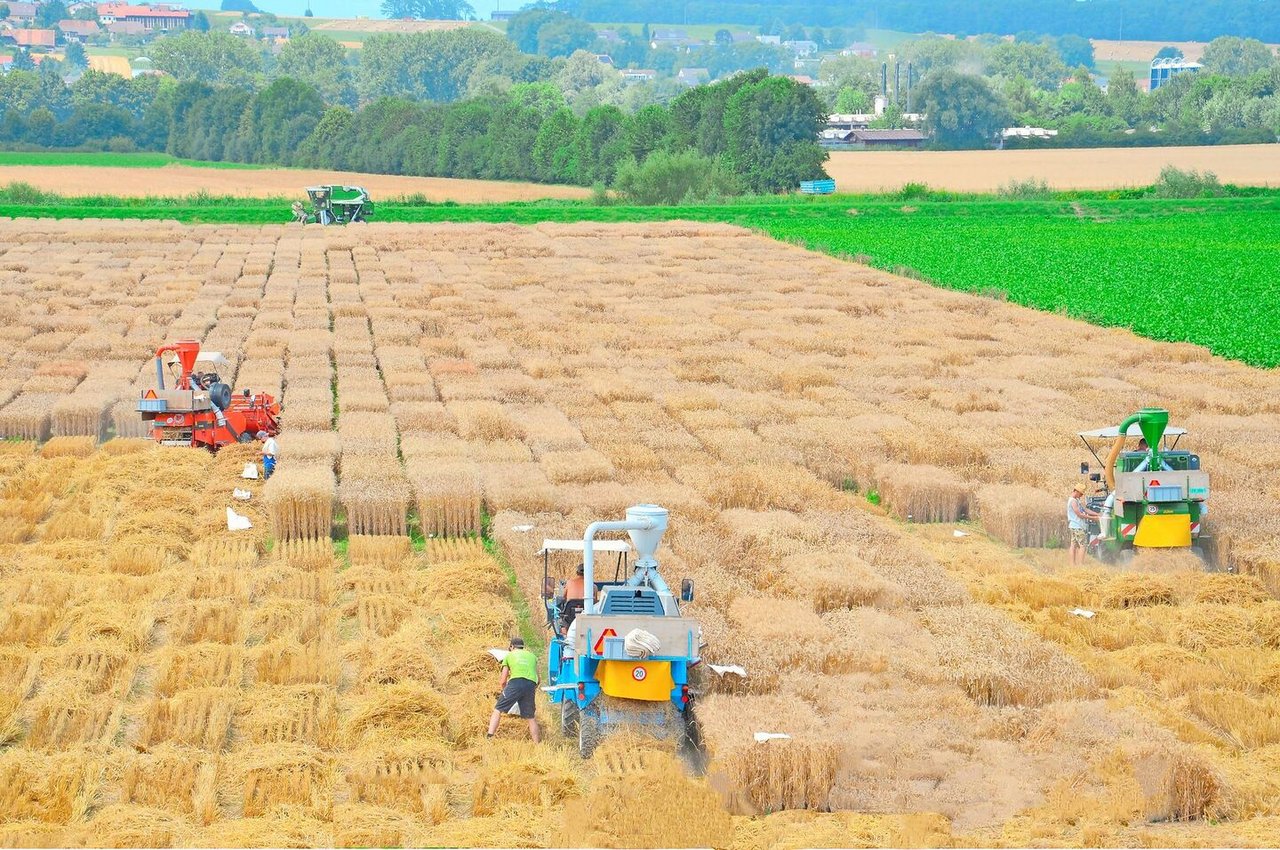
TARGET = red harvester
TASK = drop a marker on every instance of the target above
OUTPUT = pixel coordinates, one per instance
(200, 410)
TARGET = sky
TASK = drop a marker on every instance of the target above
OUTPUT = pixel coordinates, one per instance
(364, 8)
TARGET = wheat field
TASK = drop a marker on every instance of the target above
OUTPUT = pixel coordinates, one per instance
(171, 683)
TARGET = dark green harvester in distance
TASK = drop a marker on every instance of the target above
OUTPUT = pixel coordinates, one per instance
(334, 205)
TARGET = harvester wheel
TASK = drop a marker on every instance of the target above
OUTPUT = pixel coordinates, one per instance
(588, 730)
(569, 718)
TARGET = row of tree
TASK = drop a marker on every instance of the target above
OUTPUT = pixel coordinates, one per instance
(1109, 19)
(756, 132)
(1029, 81)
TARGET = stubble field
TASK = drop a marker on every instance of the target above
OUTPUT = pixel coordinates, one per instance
(171, 682)
(183, 180)
(1068, 168)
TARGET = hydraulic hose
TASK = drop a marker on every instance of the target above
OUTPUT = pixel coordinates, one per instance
(1116, 448)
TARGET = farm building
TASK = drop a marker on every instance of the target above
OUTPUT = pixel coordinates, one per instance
(863, 138)
(151, 17)
(1164, 70)
(693, 76)
(21, 11)
(802, 47)
(30, 37)
(78, 30)
(860, 48)
(669, 38)
(1027, 133)
(127, 28)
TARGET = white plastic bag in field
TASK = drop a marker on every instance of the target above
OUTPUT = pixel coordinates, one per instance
(250, 471)
(242, 495)
(761, 737)
(235, 522)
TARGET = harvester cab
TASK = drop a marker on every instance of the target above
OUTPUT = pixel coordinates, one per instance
(624, 661)
(334, 205)
(199, 409)
(1153, 496)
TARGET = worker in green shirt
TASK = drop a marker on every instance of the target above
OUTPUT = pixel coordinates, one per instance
(519, 685)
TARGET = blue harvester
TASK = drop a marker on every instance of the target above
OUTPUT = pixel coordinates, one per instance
(622, 655)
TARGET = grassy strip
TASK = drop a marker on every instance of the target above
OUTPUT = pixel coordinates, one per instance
(107, 159)
(534, 640)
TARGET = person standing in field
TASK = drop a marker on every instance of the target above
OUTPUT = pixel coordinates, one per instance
(519, 683)
(269, 450)
(1078, 516)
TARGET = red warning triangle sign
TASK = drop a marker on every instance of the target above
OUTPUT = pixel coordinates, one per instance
(150, 394)
(1153, 483)
(599, 647)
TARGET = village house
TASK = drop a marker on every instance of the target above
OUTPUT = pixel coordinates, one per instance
(693, 76)
(80, 31)
(29, 38)
(21, 12)
(639, 75)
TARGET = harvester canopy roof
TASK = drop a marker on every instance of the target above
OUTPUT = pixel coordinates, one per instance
(578, 546)
(213, 358)
(1133, 431)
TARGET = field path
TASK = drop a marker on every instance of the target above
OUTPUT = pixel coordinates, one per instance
(268, 183)
(1084, 168)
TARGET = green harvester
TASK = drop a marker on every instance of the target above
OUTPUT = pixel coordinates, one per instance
(334, 205)
(1153, 497)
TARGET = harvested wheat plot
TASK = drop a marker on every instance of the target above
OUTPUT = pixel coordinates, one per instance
(819, 432)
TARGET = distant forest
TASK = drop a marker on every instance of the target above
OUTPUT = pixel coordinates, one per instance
(1172, 20)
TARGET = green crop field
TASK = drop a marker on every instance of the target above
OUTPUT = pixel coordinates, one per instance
(1202, 271)
(101, 159)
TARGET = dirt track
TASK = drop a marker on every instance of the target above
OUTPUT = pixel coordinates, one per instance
(1093, 168)
(267, 183)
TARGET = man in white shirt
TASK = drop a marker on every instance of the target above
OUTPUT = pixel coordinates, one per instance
(269, 450)
(1078, 516)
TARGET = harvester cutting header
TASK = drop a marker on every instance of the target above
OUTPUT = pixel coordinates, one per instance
(200, 410)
